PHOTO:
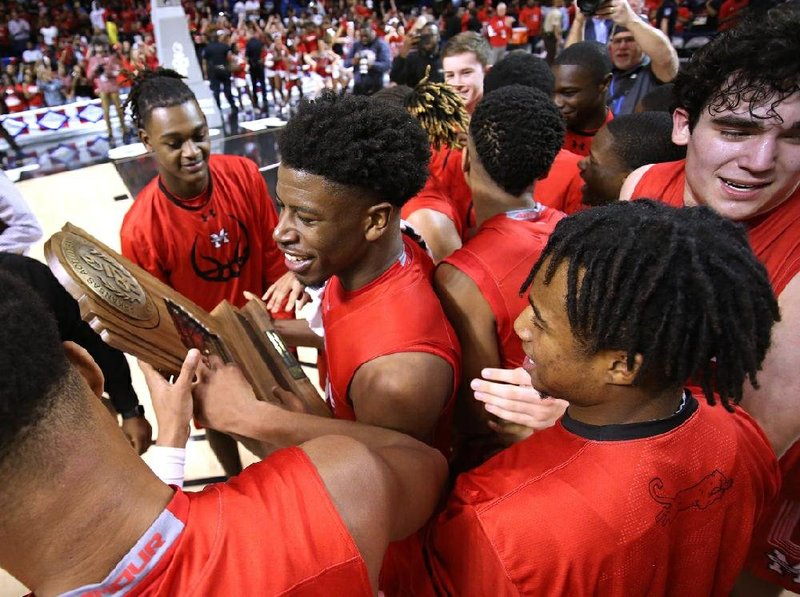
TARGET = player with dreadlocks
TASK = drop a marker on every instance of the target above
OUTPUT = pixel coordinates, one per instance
(738, 114)
(204, 224)
(643, 487)
(440, 211)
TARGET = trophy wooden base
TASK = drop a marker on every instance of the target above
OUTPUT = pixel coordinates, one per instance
(136, 313)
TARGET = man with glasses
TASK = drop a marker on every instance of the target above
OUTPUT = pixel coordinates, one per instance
(642, 55)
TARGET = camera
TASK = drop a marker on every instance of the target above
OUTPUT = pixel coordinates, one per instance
(589, 7)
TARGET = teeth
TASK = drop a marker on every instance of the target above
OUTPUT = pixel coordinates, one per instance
(294, 258)
(741, 187)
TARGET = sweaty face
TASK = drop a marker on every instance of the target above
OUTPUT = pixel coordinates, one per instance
(465, 74)
(580, 98)
(321, 226)
(739, 165)
(554, 358)
(178, 136)
(602, 171)
(625, 52)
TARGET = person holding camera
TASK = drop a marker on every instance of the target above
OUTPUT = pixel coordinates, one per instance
(642, 55)
(419, 52)
(370, 58)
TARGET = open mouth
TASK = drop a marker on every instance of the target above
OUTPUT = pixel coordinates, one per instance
(742, 187)
(297, 263)
(194, 166)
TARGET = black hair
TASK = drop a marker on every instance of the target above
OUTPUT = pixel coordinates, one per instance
(680, 287)
(520, 68)
(517, 132)
(33, 364)
(660, 99)
(159, 88)
(754, 64)
(395, 95)
(589, 55)
(356, 141)
(644, 138)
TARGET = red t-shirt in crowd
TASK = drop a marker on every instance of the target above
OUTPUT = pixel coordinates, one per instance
(657, 508)
(272, 530)
(775, 239)
(214, 247)
(580, 142)
(498, 259)
(498, 32)
(531, 17)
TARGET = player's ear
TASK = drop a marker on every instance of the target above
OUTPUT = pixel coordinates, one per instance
(378, 217)
(86, 366)
(617, 371)
(681, 131)
(465, 160)
(145, 139)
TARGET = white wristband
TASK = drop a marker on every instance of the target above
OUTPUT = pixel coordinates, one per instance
(168, 463)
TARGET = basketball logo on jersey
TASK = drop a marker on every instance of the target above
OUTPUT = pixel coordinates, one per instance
(227, 254)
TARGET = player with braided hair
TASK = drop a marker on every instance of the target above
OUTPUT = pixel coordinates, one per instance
(738, 114)
(439, 212)
(204, 224)
(641, 488)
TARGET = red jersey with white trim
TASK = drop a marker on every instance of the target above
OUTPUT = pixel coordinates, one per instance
(498, 259)
(272, 530)
(658, 508)
(397, 312)
(211, 248)
(580, 142)
(775, 239)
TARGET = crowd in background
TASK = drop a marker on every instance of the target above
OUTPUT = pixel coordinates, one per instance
(54, 52)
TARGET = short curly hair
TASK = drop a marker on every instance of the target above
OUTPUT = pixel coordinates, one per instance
(517, 132)
(592, 56)
(355, 141)
(520, 68)
(755, 64)
(33, 365)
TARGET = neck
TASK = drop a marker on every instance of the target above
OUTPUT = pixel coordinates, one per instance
(186, 190)
(112, 498)
(627, 404)
(491, 200)
(593, 122)
(379, 257)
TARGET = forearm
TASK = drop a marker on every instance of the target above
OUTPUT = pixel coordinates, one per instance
(576, 31)
(654, 43)
(296, 332)
(268, 423)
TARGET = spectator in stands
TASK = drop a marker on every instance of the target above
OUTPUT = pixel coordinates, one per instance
(51, 86)
(370, 58)
(20, 31)
(642, 55)
(419, 52)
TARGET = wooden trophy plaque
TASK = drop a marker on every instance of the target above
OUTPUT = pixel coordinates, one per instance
(136, 313)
